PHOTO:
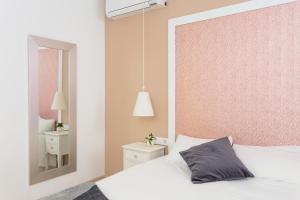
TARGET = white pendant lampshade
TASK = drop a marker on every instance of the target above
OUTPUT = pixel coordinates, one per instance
(143, 106)
(59, 102)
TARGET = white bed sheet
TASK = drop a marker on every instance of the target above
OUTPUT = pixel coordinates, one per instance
(162, 180)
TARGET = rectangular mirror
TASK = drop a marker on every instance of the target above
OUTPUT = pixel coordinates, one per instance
(52, 108)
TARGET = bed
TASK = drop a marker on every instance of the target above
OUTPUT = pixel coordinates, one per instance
(275, 168)
(161, 179)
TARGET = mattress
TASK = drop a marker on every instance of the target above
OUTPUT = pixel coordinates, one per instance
(161, 179)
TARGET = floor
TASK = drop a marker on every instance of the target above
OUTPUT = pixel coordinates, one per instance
(70, 193)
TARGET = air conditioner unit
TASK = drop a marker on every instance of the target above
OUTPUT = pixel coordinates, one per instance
(122, 8)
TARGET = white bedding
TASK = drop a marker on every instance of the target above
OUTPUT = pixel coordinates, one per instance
(162, 180)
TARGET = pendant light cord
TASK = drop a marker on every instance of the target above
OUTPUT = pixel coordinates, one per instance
(143, 43)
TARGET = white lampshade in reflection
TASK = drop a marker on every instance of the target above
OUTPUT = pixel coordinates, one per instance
(59, 102)
(143, 106)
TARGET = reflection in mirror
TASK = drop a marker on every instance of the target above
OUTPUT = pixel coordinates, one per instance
(53, 114)
(52, 108)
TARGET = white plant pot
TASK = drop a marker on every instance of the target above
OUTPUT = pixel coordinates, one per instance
(60, 129)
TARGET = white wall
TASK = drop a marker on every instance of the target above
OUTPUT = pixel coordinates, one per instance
(76, 21)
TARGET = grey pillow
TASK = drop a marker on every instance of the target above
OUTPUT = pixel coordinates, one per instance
(214, 161)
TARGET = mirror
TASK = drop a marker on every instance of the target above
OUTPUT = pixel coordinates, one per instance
(52, 108)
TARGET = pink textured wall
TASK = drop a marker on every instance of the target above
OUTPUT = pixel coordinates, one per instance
(48, 81)
(239, 75)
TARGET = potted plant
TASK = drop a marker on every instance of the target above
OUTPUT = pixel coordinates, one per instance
(150, 139)
(60, 127)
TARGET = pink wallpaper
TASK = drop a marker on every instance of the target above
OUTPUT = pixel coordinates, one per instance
(48, 81)
(239, 75)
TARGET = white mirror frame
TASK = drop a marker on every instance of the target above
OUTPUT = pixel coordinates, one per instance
(34, 42)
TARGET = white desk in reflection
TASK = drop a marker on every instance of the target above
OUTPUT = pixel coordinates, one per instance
(57, 143)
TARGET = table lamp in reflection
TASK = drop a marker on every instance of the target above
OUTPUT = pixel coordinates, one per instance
(59, 104)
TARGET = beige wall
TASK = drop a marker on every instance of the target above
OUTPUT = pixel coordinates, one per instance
(123, 74)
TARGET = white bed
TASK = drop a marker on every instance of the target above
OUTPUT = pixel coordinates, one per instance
(161, 179)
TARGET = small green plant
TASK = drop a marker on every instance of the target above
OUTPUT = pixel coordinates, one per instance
(60, 125)
(150, 139)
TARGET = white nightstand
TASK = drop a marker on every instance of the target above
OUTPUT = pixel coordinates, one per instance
(57, 143)
(140, 152)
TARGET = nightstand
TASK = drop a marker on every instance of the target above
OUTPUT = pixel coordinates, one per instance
(57, 143)
(140, 152)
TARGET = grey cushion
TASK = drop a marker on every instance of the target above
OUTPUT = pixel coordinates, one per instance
(214, 161)
(92, 194)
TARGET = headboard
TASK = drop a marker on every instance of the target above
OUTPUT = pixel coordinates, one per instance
(237, 75)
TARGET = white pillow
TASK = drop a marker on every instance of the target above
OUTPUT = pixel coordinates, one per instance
(279, 163)
(46, 125)
(291, 148)
(183, 143)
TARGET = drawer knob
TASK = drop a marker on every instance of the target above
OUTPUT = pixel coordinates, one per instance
(135, 156)
(51, 139)
(51, 147)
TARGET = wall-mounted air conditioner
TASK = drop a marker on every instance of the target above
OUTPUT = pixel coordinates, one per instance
(122, 8)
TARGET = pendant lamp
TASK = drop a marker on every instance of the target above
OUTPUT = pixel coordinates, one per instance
(143, 105)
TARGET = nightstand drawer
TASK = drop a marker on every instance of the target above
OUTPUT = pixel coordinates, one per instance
(52, 148)
(134, 156)
(128, 163)
(51, 139)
